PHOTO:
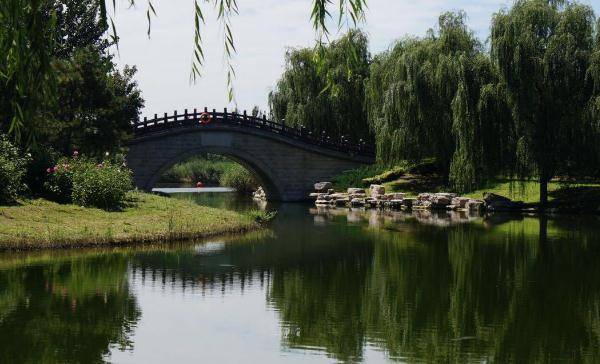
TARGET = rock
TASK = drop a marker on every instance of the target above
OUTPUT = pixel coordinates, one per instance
(494, 202)
(357, 202)
(475, 205)
(337, 196)
(353, 191)
(313, 194)
(408, 202)
(421, 204)
(377, 190)
(449, 195)
(322, 202)
(395, 196)
(424, 196)
(396, 203)
(342, 201)
(331, 191)
(357, 195)
(441, 199)
(460, 202)
(323, 186)
(260, 194)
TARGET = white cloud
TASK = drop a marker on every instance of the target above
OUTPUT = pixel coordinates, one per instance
(262, 31)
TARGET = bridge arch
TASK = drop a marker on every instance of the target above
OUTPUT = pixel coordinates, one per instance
(253, 164)
(286, 161)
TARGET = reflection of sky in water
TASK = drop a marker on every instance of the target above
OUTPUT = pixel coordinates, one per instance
(185, 325)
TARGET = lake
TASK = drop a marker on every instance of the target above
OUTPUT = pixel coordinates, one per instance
(318, 286)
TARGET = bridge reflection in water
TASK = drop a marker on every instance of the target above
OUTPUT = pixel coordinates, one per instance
(287, 161)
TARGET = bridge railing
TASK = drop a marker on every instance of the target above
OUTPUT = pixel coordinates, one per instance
(193, 119)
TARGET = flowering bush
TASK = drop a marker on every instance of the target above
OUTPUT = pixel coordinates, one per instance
(13, 167)
(87, 183)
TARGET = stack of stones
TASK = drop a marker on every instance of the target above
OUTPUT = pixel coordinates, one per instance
(260, 194)
(324, 195)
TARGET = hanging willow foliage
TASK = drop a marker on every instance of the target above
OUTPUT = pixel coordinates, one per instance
(543, 51)
(322, 88)
(411, 91)
(26, 44)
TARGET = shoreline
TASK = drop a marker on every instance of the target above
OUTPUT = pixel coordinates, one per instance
(147, 219)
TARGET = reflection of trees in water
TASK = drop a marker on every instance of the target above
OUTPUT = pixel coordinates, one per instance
(66, 312)
(464, 293)
(459, 294)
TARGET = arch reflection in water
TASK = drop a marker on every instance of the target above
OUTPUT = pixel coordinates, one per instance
(385, 287)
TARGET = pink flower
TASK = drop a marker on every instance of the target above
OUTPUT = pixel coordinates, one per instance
(75, 153)
(100, 165)
(48, 170)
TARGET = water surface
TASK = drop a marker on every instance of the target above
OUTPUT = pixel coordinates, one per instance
(318, 286)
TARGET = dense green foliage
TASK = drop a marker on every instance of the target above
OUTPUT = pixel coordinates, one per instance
(239, 178)
(322, 89)
(542, 49)
(13, 166)
(60, 86)
(87, 183)
(430, 97)
(206, 169)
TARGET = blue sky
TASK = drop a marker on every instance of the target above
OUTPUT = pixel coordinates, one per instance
(262, 31)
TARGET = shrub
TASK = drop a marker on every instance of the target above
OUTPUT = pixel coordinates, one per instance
(13, 167)
(87, 183)
(239, 178)
(206, 169)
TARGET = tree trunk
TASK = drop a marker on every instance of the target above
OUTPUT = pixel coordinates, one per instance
(543, 193)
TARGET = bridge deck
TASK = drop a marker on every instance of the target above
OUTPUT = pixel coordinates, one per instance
(198, 119)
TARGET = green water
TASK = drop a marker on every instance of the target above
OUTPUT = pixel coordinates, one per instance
(317, 287)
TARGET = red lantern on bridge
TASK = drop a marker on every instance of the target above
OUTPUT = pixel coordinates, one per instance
(205, 118)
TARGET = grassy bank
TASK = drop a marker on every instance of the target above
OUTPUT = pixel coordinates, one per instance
(36, 224)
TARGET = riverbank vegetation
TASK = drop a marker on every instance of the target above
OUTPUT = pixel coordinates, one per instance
(526, 107)
(211, 170)
(144, 218)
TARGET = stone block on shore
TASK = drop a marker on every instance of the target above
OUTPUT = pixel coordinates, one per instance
(356, 202)
(377, 190)
(354, 191)
(323, 186)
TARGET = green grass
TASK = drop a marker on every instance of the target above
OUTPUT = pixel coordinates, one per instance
(146, 218)
(528, 191)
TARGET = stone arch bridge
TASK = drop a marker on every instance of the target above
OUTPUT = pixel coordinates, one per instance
(286, 161)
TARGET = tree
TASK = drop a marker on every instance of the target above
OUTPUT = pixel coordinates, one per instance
(26, 82)
(322, 89)
(97, 104)
(542, 49)
(411, 89)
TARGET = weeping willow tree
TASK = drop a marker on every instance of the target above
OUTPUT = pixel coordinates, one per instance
(482, 125)
(438, 96)
(26, 45)
(322, 89)
(542, 49)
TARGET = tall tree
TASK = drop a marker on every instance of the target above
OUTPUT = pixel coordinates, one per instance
(322, 89)
(542, 49)
(411, 89)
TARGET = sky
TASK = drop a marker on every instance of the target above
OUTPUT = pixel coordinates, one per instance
(263, 30)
